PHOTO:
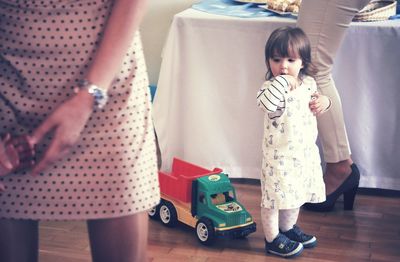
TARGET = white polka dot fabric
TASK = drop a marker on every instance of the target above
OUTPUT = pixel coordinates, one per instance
(45, 48)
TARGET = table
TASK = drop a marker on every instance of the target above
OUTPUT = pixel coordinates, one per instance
(205, 106)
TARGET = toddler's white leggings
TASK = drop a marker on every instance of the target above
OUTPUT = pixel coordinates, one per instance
(273, 219)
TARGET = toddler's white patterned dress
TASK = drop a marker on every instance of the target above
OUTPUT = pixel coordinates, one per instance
(291, 168)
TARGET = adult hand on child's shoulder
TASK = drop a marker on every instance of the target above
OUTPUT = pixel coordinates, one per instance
(319, 104)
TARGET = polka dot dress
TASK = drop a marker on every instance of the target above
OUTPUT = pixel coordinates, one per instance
(45, 48)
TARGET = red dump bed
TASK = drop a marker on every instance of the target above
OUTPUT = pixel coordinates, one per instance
(178, 183)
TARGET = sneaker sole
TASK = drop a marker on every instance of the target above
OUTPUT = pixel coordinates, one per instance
(310, 243)
(292, 254)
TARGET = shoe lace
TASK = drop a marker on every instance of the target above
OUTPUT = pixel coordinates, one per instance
(300, 234)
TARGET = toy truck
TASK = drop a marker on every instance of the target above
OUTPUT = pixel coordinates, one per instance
(203, 199)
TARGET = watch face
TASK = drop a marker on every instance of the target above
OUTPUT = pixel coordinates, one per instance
(100, 96)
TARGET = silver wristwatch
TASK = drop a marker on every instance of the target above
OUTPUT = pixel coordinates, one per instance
(99, 94)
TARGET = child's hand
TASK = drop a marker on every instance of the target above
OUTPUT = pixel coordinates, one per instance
(319, 104)
(292, 81)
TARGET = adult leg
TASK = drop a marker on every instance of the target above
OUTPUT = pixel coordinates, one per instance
(325, 22)
(122, 239)
(19, 240)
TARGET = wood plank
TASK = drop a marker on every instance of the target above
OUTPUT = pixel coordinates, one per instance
(369, 233)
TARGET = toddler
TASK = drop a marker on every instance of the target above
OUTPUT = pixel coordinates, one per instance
(291, 166)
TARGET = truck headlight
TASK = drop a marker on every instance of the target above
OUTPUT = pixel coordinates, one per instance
(222, 225)
(248, 219)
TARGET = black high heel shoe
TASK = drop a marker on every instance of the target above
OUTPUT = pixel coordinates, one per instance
(348, 188)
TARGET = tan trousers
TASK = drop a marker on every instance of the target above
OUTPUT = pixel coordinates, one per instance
(325, 22)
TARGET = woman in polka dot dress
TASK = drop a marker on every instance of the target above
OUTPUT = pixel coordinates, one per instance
(96, 157)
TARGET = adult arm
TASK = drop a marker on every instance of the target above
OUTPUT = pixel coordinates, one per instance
(69, 119)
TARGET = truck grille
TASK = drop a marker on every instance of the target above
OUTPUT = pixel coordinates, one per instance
(237, 219)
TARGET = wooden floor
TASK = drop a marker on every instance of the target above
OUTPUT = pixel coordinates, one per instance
(369, 233)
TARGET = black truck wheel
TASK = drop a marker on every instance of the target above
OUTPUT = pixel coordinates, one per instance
(205, 231)
(168, 214)
(154, 212)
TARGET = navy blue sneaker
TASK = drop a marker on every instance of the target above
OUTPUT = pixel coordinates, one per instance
(297, 235)
(284, 247)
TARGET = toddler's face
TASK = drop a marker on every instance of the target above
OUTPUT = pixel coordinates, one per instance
(285, 65)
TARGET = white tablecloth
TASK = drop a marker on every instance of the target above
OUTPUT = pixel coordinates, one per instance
(205, 110)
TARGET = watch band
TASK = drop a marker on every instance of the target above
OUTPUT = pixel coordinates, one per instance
(99, 94)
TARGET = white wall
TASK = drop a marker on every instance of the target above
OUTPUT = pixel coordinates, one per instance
(154, 29)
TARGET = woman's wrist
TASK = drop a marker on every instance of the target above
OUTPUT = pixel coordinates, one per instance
(99, 95)
(84, 97)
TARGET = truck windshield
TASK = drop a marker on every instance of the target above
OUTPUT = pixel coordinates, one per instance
(221, 198)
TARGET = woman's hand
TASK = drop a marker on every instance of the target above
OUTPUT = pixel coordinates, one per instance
(9, 159)
(319, 104)
(67, 122)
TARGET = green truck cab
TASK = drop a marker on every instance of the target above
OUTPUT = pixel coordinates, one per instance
(203, 199)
